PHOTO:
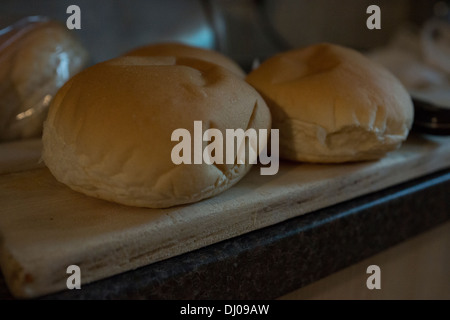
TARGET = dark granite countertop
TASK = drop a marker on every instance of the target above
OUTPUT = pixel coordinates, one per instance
(273, 261)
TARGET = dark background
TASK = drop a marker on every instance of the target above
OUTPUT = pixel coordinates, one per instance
(242, 29)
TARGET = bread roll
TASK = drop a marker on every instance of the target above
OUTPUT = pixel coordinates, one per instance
(108, 132)
(187, 51)
(37, 56)
(332, 104)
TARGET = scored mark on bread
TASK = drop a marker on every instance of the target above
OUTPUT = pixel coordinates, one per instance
(252, 116)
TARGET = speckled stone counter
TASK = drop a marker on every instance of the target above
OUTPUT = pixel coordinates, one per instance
(273, 261)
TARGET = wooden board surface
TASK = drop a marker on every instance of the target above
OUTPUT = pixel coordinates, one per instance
(45, 226)
(20, 155)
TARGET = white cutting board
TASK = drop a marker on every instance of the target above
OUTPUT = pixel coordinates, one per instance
(45, 226)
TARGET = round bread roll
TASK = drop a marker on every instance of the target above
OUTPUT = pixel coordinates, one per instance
(37, 56)
(332, 104)
(187, 51)
(109, 129)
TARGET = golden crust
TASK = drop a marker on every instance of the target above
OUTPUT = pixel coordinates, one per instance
(108, 133)
(332, 104)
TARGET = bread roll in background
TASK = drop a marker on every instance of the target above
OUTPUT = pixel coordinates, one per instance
(332, 104)
(108, 132)
(37, 56)
(183, 50)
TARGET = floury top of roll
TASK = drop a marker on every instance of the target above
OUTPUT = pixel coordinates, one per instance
(332, 104)
(109, 129)
(182, 50)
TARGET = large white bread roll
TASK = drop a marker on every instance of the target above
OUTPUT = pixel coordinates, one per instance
(108, 132)
(183, 50)
(332, 104)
